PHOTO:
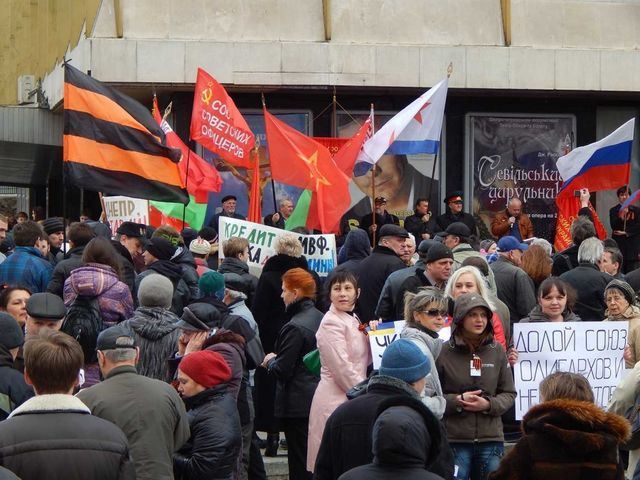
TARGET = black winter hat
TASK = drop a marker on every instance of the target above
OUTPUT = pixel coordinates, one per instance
(458, 229)
(438, 252)
(52, 225)
(161, 248)
(10, 332)
(132, 229)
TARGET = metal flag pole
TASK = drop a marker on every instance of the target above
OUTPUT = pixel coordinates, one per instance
(373, 185)
(273, 184)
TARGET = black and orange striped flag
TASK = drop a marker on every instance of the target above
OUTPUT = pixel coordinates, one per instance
(112, 143)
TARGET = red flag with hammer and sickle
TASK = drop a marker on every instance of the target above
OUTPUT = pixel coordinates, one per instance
(216, 123)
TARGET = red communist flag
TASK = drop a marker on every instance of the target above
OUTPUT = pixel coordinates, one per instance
(203, 177)
(216, 122)
(568, 207)
(300, 161)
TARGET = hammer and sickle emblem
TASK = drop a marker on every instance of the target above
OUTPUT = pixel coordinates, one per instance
(207, 94)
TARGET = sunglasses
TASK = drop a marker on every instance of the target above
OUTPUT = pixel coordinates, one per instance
(434, 312)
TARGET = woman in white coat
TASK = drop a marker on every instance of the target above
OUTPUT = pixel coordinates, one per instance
(344, 355)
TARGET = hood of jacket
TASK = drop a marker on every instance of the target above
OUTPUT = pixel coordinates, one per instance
(233, 265)
(184, 256)
(578, 425)
(433, 344)
(6, 360)
(282, 263)
(536, 315)
(167, 268)
(356, 246)
(153, 323)
(92, 280)
(405, 433)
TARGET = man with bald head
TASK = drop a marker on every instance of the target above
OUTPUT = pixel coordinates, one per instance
(512, 222)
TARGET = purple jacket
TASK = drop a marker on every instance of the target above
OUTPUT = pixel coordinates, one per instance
(97, 280)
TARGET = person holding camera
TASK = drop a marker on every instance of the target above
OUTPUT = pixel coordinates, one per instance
(478, 388)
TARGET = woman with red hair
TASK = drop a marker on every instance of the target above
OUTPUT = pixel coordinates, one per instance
(295, 383)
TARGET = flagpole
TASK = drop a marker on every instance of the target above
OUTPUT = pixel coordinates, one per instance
(435, 158)
(373, 185)
(273, 184)
(186, 182)
(334, 115)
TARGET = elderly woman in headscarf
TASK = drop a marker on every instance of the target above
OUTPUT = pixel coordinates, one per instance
(622, 306)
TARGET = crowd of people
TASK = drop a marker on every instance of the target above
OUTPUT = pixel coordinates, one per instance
(141, 355)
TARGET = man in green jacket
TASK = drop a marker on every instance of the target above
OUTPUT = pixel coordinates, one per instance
(150, 412)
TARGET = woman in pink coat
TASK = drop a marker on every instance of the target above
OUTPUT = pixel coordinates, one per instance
(344, 355)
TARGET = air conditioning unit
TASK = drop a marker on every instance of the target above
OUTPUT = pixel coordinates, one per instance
(26, 89)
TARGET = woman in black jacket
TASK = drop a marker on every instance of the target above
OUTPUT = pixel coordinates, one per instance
(213, 450)
(269, 312)
(295, 383)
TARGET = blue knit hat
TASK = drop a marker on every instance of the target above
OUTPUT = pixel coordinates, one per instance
(405, 361)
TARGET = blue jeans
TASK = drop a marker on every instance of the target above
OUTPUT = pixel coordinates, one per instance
(476, 460)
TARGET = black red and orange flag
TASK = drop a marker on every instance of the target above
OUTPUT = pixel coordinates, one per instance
(112, 143)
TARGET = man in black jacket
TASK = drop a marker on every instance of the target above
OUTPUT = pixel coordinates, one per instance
(373, 271)
(79, 235)
(279, 218)
(347, 438)
(382, 217)
(53, 435)
(13, 389)
(626, 229)
(588, 281)
(421, 224)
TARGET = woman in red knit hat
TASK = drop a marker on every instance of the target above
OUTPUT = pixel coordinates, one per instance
(214, 446)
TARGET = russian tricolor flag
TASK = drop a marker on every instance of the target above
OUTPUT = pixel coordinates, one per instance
(415, 129)
(602, 165)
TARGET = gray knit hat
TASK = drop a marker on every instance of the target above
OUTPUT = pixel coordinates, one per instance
(624, 288)
(155, 290)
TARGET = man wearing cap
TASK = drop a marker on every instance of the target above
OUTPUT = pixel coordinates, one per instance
(382, 218)
(454, 213)
(421, 224)
(373, 271)
(347, 438)
(279, 218)
(515, 288)
(157, 257)
(439, 265)
(235, 297)
(26, 265)
(149, 412)
(54, 228)
(385, 308)
(132, 236)
(13, 389)
(200, 249)
(44, 311)
(456, 238)
(229, 203)
(512, 221)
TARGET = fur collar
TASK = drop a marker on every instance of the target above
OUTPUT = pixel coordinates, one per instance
(54, 403)
(394, 383)
(572, 415)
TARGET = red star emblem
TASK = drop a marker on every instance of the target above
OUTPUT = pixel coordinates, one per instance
(312, 162)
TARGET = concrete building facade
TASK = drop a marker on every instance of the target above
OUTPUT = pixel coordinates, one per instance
(526, 58)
